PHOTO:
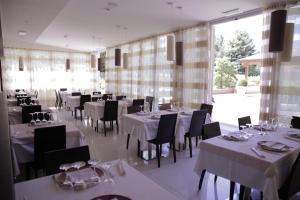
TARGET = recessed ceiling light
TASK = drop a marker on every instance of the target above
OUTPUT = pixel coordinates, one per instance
(179, 7)
(65, 36)
(170, 3)
(107, 9)
(22, 33)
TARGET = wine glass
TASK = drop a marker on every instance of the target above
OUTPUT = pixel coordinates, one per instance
(93, 163)
(44, 119)
(77, 165)
(141, 107)
(65, 167)
(37, 117)
(32, 122)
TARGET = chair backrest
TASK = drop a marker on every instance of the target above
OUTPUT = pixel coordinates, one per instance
(120, 97)
(76, 93)
(243, 121)
(292, 184)
(150, 100)
(26, 117)
(166, 128)
(95, 99)
(208, 107)
(198, 119)
(85, 98)
(106, 96)
(53, 159)
(164, 106)
(295, 122)
(63, 89)
(17, 90)
(133, 109)
(211, 130)
(110, 110)
(138, 102)
(96, 93)
(48, 139)
(26, 99)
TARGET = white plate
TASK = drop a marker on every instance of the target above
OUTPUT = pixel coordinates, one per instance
(143, 113)
(156, 117)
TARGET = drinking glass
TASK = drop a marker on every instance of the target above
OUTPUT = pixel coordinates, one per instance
(141, 107)
(32, 120)
(37, 117)
(44, 119)
(65, 167)
(93, 163)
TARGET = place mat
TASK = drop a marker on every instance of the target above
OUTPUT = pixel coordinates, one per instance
(235, 137)
(143, 113)
(273, 146)
(111, 197)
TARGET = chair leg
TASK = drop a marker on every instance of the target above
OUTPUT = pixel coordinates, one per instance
(261, 195)
(104, 128)
(201, 179)
(231, 192)
(190, 146)
(158, 155)
(215, 178)
(128, 138)
(81, 115)
(174, 151)
(139, 149)
(242, 192)
(196, 141)
(184, 142)
(117, 126)
(97, 126)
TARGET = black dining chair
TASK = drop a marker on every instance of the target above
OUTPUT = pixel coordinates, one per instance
(138, 102)
(96, 93)
(243, 121)
(83, 99)
(26, 117)
(131, 110)
(210, 131)
(53, 159)
(56, 99)
(46, 139)
(25, 99)
(106, 97)
(121, 97)
(76, 93)
(207, 107)
(110, 115)
(198, 119)
(150, 100)
(295, 122)
(63, 89)
(164, 106)
(165, 134)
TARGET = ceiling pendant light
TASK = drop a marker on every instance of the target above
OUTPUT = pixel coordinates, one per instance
(68, 65)
(125, 60)
(170, 48)
(93, 61)
(286, 54)
(118, 57)
(21, 63)
(277, 28)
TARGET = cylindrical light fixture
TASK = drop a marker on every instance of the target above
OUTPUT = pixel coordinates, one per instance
(93, 61)
(179, 53)
(21, 63)
(170, 48)
(99, 64)
(277, 29)
(68, 64)
(125, 60)
(117, 57)
(286, 54)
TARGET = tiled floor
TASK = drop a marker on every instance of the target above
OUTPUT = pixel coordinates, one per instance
(178, 178)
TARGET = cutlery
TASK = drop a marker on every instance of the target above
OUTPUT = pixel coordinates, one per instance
(257, 152)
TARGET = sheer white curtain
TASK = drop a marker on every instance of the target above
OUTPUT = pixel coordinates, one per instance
(45, 71)
(150, 73)
(280, 83)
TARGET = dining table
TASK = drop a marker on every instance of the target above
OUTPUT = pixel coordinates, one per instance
(130, 184)
(15, 114)
(22, 140)
(144, 125)
(95, 110)
(248, 160)
(74, 101)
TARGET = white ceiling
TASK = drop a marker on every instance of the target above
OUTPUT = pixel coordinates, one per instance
(85, 25)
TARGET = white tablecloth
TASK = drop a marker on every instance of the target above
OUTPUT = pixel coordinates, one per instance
(146, 129)
(64, 95)
(73, 102)
(134, 185)
(22, 139)
(95, 110)
(235, 161)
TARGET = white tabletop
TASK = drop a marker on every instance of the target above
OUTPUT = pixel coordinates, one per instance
(235, 161)
(133, 185)
(22, 139)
